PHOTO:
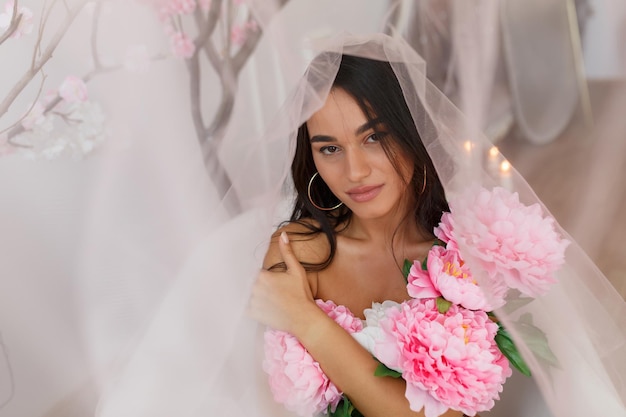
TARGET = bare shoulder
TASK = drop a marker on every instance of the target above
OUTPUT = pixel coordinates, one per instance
(308, 246)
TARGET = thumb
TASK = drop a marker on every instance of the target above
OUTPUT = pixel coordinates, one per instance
(287, 252)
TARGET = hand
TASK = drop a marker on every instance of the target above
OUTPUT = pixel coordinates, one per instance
(283, 299)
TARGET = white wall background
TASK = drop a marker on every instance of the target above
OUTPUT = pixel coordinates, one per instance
(604, 43)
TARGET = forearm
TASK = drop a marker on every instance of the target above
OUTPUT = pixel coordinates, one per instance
(351, 368)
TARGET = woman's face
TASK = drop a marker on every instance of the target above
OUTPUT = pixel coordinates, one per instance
(351, 160)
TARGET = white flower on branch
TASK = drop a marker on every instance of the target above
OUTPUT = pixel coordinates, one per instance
(25, 25)
(72, 129)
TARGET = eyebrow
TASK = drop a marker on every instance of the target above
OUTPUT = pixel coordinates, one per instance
(359, 130)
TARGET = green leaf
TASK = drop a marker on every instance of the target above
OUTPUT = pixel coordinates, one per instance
(357, 413)
(443, 305)
(509, 350)
(425, 264)
(406, 268)
(515, 300)
(439, 242)
(345, 408)
(536, 340)
(382, 370)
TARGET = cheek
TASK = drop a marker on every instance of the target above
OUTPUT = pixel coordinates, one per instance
(401, 170)
(328, 171)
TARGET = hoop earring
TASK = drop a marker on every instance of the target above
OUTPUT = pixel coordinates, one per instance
(424, 184)
(311, 199)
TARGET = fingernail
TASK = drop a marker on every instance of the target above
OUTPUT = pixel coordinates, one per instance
(284, 237)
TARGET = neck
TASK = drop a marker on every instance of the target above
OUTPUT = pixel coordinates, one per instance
(399, 228)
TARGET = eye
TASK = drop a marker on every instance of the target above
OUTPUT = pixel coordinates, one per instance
(329, 150)
(375, 137)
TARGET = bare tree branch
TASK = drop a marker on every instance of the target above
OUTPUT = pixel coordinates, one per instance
(241, 57)
(207, 28)
(5, 355)
(193, 65)
(28, 76)
(18, 123)
(221, 118)
(17, 127)
(15, 22)
(42, 25)
(94, 35)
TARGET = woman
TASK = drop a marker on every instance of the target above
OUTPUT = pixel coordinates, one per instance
(368, 197)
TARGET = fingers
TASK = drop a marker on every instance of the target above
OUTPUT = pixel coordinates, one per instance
(287, 252)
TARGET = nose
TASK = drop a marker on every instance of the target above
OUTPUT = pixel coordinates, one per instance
(357, 164)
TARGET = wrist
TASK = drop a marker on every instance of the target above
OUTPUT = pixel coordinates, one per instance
(312, 324)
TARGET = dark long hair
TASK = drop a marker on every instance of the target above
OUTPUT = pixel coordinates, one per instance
(374, 86)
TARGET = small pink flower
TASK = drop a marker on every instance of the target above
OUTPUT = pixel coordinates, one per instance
(182, 45)
(73, 90)
(448, 276)
(204, 4)
(26, 22)
(166, 9)
(514, 243)
(295, 378)
(448, 360)
(238, 35)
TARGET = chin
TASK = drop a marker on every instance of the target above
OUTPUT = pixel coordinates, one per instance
(373, 212)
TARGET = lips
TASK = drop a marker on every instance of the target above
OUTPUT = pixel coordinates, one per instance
(364, 193)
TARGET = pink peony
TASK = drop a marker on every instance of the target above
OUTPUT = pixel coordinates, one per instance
(448, 276)
(514, 243)
(444, 231)
(295, 378)
(341, 315)
(73, 90)
(447, 360)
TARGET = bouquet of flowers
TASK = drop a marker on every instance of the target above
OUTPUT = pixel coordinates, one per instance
(446, 342)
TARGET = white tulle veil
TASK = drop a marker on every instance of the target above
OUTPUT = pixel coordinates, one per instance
(156, 324)
(198, 341)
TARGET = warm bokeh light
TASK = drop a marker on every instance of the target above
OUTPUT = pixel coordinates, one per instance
(505, 167)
